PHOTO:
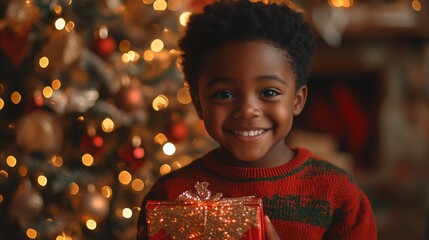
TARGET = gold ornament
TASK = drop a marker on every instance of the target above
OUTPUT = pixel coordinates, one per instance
(39, 131)
(27, 203)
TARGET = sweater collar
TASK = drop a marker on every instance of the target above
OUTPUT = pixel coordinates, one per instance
(243, 173)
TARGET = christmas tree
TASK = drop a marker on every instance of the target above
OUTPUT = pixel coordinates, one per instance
(93, 109)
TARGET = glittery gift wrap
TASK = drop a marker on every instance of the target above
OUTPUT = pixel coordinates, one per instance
(207, 217)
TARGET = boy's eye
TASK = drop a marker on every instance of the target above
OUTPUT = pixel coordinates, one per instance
(223, 95)
(269, 93)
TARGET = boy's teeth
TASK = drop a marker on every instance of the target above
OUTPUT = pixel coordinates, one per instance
(250, 133)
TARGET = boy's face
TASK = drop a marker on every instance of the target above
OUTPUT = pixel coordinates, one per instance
(247, 99)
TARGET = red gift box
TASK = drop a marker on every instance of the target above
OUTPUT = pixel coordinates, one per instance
(203, 216)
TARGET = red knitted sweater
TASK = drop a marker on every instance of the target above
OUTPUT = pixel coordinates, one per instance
(306, 198)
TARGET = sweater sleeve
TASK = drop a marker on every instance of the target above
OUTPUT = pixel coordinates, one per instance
(358, 223)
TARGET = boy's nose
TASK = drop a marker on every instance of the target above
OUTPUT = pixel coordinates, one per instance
(247, 108)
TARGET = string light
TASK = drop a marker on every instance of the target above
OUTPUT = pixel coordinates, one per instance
(160, 5)
(91, 224)
(31, 233)
(137, 185)
(106, 192)
(56, 161)
(4, 174)
(165, 169)
(42, 180)
(169, 148)
(148, 55)
(56, 84)
(87, 159)
(341, 3)
(184, 17)
(58, 9)
(103, 32)
(174, 5)
(47, 92)
(22, 171)
(160, 139)
(127, 213)
(416, 5)
(1, 103)
(124, 177)
(70, 26)
(11, 161)
(15, 97)
(160, 102)
(74, 188)
(107, 125)
(183, 96)
(60, 23)
(44, 62)
(124, 45)
(157, 45)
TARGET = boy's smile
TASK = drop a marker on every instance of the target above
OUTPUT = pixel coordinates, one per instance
(247, 98)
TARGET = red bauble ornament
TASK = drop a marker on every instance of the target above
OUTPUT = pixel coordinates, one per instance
(129, 98)
(178, 131)
(132, 156)
(93, 145)
(14, 45)
(104, 46)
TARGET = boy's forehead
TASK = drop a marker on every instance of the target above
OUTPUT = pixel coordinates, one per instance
(235, 54)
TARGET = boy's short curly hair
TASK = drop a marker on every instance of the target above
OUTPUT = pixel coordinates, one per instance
(241, 20)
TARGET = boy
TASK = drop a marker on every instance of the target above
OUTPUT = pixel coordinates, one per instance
(247, 65)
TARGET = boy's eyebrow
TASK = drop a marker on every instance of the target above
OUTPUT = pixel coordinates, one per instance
(272, 77)
(219, 79)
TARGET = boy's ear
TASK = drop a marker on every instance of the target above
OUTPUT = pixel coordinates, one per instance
(197, 104)
(300, 99)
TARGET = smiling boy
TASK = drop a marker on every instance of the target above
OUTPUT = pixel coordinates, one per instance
(247, 66)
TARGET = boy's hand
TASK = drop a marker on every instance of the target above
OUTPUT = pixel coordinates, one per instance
(270, 231)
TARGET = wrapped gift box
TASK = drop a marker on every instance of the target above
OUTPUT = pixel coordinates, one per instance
(203, 216)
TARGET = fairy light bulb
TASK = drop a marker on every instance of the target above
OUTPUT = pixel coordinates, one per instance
(48, 92)
(74, 188)
(107, 125)
(157, 45)
(169, 148)
(184, 17)
(56, 84)
(183, 96)
(87, 159)
(31, 233)
(127, 213)
(160, 5)
(160, 102)
(11, 161)
(137, 185)
(42, 180)
(149, 55)
(60, 23)
(106, 192)
(165, 169)
(44, 62)
(91, 224)
(15, 97)
(124, 177)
